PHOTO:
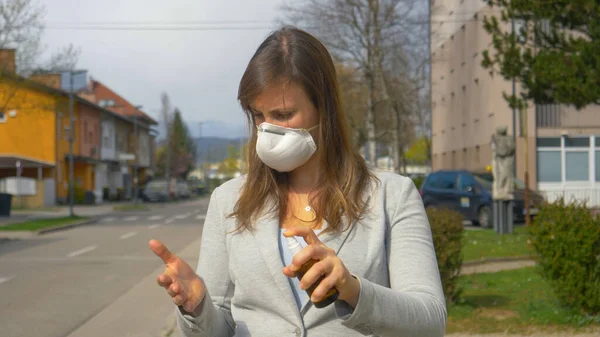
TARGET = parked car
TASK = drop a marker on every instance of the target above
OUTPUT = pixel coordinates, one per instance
(156, 190)
(470, 193)
(183, 190)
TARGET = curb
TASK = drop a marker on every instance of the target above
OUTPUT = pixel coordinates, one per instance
(63, 227)
(482, 262)
(18, 235)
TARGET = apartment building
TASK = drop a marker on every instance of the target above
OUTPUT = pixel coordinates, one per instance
(468, 105)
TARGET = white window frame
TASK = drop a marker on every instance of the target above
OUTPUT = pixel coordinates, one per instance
(594, 149)
(589, 188)
(559, 149)
(566, 150)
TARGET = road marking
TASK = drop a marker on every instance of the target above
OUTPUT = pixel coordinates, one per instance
(201, 217)
(131, 218)
(127, 235)
(182, 216)
(82, 251)
(109, 219)
(4, 279)
(155, 217)
(153, 226)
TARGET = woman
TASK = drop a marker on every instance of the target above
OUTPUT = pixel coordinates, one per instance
(374, 242)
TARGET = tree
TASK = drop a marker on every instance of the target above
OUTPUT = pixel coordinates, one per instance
(364, 37)
(553, 52)
(21, 28)
(177, 155)
(354, 99)
(231, 165)
(183, 147)
(418, 152)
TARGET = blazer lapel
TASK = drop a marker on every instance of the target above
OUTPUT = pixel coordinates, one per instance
(266, 236)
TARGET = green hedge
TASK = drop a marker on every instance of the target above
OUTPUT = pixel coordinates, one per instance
(418, 181)
(447, 230)
(567, 239)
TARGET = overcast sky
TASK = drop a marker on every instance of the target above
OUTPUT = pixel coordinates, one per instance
(199, 69)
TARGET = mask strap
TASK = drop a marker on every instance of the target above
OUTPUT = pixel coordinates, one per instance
(314, 127)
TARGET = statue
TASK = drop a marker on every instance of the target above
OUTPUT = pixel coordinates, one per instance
(503, 163)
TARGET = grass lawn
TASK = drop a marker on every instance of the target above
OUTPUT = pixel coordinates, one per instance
(38, 224)
(131, 207)
(27, 210)
(485, 244)
(512, 301)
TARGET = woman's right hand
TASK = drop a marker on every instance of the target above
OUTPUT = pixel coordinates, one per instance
(179, 279)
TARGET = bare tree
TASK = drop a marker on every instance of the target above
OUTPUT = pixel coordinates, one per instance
(166, 114)
(367, 36)
(63, 59)
(21, 28)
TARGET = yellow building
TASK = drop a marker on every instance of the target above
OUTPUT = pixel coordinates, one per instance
(28, 138)
(35, 128)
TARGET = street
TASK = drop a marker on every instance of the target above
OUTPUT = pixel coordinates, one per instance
(62, 283)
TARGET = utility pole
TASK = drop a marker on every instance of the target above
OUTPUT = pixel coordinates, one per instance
(514, 117)
(201, 158)
(137, 155)
(523, 113)
(166, 106)
(71, 140)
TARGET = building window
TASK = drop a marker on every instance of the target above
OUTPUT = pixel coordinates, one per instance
(550, 162)
(577, 166)
(568, 159)
(577, 142)
(548, 142)
(597, 153)
(2, 117)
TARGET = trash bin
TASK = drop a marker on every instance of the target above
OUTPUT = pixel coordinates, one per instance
(5, 204)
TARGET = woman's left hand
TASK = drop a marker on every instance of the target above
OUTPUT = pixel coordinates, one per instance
(336, 274)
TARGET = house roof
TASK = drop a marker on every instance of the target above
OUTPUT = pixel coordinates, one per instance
(58, 92)
(123, 106)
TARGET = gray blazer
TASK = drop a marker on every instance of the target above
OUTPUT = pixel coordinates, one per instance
(390, 251)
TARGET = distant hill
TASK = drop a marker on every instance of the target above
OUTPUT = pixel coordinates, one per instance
(210, 129)
(214, 149)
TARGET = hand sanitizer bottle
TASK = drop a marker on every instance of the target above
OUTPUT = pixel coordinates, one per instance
(331, 295)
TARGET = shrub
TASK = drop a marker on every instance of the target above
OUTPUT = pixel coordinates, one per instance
(79, 194)
(418, 180)
(447, 230)
(567, 239)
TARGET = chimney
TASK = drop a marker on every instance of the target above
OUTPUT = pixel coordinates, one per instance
(7, 61)
(49, 80)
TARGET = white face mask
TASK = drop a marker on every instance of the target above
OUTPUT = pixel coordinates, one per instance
(284, 149)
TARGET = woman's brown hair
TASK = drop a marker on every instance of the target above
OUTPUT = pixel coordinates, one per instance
(290, 55)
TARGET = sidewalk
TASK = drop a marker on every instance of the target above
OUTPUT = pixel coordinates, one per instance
(19, 216)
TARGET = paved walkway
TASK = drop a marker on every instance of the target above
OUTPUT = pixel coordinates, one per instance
(492, 267)
(536, 334)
